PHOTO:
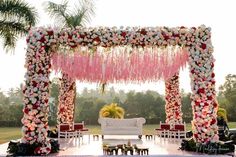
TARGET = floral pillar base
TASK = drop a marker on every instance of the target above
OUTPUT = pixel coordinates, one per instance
(66, 100)
(173, 101)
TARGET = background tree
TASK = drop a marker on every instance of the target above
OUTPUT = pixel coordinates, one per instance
(67, 18)
(227, 96)
(90, 102)
(53, 103)
(149, 105)
(80, 16)
(186, 106)
(16, 17)
(11, 106)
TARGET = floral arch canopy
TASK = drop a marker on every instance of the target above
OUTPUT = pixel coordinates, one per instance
(126, 54)
(114, 55)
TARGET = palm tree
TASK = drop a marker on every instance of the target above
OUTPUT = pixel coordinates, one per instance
(67, 18)
(16, 18)
(112, 111)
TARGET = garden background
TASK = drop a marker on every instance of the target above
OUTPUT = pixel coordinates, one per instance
(148, 104)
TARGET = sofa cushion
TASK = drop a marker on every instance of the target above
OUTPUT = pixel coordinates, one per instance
(121, 128)
(121, 122)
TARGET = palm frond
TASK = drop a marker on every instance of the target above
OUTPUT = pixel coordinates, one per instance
(74, 21)
(81, 16)
(83, 12)
(13, 27)
(9, 41)
(58, 11)
(17, 9)
(10, 31)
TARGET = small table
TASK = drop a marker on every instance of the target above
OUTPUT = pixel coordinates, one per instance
(142, 150)
(127, 149)
(95, 137)
(149, 137)
(110, 150)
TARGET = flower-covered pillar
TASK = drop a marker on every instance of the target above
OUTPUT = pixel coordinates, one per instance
(204, 105)
(67, 97)
(36, 90)
(173, 101)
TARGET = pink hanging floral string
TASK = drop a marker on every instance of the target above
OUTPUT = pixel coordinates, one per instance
(120, 66)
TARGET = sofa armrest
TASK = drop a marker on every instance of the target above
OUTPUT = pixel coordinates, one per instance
(140, 122)
(100, 121)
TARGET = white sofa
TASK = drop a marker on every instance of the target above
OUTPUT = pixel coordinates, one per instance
(111, 126)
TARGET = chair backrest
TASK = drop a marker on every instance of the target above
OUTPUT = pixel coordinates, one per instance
(78, 126)
(64, 127)
(180, 127)
(164, 126)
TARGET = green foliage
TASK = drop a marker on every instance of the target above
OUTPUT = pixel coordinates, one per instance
(16, 17)
(53, 101)
(86, 110)
(222, 113)
(15, 148)
(207, 148)
(188, 144)
(227, 96)
(186, 107)
(149, 104)
(112, 111)
(78, 17)
(11, 107)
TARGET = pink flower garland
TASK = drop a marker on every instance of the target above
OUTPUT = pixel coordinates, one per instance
(173, 101)
(66, 100)
(150, 65)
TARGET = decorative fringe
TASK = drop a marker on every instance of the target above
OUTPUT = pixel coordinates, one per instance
(122, 64)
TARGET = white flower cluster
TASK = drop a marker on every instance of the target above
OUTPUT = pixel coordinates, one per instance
(135, 36)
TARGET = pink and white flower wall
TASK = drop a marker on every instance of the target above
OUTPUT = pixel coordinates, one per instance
(67, 95)
(45, 42)
(173, 101)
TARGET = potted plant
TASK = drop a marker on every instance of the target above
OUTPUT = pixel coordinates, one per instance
(112, 111)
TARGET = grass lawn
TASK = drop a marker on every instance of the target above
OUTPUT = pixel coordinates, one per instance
(9, 133)
(13, 133)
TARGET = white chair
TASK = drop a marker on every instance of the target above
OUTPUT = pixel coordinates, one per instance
(178, 131)
(163, 131)
(65, 131)
(81, 130)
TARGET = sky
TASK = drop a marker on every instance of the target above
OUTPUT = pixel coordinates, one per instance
(217, 14)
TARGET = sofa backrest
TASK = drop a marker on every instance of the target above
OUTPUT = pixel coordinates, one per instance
(111, 122)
